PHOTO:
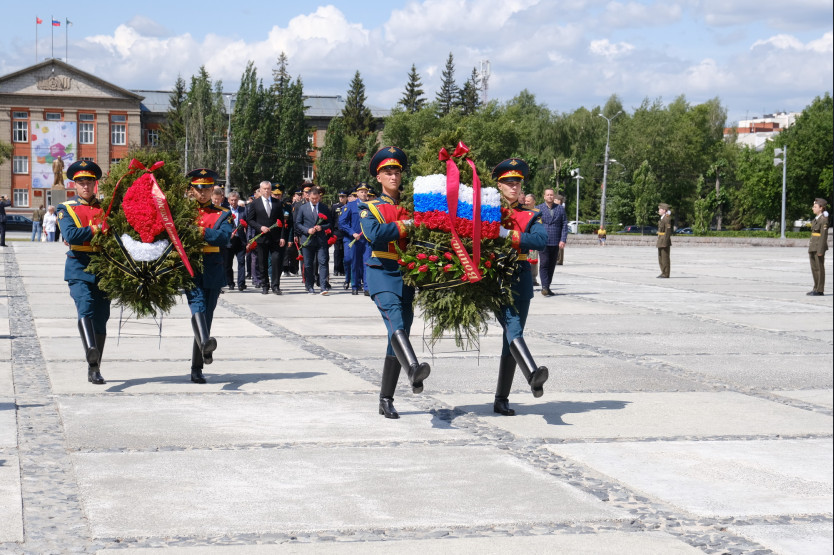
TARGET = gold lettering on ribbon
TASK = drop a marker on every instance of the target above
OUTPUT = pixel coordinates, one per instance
(168, 220)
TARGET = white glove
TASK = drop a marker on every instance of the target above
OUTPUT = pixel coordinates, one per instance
(503, 232)
(407, 223)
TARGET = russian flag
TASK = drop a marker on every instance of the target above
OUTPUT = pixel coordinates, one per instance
(56, 23)
(38, 20)
(431, 207)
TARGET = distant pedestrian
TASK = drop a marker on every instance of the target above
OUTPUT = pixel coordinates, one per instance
(817, 247)
(37, 223)
(4, 202)
(601, 236)
(50, 223)
(555, 222)
(664, 239)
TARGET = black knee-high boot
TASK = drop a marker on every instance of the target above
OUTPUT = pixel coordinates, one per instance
(197, 363)
(390, 375)
(506, 372)
(91, 350)
(535, 376)
(417, 371)
(201, 334)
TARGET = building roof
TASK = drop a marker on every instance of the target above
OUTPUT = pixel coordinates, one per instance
(314, 106)
(65, 67)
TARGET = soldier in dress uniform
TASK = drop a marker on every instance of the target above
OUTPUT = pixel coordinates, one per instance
(817, 247)
(80, 219)
(664, 239)
(526, 231)
(336, 210)
(350, 226)
(384, 224)
(216, 227)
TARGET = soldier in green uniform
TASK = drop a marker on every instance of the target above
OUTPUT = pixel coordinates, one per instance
(664, 239)
(818, 246)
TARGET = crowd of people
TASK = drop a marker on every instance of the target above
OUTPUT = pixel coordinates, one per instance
(269, 236)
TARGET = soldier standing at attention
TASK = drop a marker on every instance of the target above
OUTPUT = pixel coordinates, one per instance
(384, 224)
(524, 228)
(216, 227)
(817, 247)
(664, 239)
(80, 219)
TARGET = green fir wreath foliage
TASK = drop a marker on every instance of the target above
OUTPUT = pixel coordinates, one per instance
(449, 302)
(156, 285)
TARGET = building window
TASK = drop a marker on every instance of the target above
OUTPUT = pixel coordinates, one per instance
(153, 137)
(114, 161)
(21, 132)
(20, 115)
(87, 159)
(86, 133)
(53, 116)
(20, 164)
(86, 117)
(118, 134)
(308, 172)
(118, 118)
(21, 197)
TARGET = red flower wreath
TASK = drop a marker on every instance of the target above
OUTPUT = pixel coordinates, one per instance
(140, 210)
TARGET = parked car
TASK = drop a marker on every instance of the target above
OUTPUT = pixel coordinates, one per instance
(573, 226)
(641, 229)
(684, 231)
(754, 229)
(16, 222)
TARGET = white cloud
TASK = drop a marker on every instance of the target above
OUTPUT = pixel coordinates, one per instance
(635, 14)
(603, 47)
(788, 42)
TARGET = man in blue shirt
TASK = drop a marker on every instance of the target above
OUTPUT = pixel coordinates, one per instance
(556, 224)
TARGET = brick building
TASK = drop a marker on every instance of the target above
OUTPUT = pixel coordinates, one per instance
(52, 109)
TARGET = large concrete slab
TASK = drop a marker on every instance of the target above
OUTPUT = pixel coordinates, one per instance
(720, 478)
(11, 509)
(774, 371)
(636, 415)
(152, 421)
(320, 488)
(821, 397)
(8, 422)
(599, 543)
(171, 327)
(173, 376)
(6, 382)
(813, 538)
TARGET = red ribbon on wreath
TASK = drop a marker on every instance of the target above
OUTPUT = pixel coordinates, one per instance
(452, 189)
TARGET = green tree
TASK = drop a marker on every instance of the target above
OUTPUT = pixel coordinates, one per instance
(172, 134)
(6, 150)
(205, 122)
(469, 96)
(645, 194)
(357, 117)
(254, 128)
(335, 170)
(413, 98)
(291, 139)
(447, 96)
(705, 204)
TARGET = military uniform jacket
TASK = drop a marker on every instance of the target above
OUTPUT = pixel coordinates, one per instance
(337, 209)
(819, 235)
(664, 231)
(216, 227)
(80, 221)
(381, 223)
(526, 233)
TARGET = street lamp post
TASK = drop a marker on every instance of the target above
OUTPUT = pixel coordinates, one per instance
(784, 161)
(575, 174)
(605, 170)
(229, 147)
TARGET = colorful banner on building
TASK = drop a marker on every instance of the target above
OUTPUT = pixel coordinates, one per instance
(52, 140)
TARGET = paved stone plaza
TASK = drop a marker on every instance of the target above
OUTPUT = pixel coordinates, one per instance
(688, 415)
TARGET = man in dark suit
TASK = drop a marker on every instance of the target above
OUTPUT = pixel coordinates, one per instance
(313, 225)
(4, 202)
(261, 214)
(556, 224)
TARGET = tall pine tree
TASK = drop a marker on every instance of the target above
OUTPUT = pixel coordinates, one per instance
(291, 140)
(172, 134)
(414, 97)
(205, 122)
(357, 117)
(334, 167)
(469, 99)
(447, 96)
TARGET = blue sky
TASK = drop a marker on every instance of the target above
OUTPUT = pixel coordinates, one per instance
(757, 56)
